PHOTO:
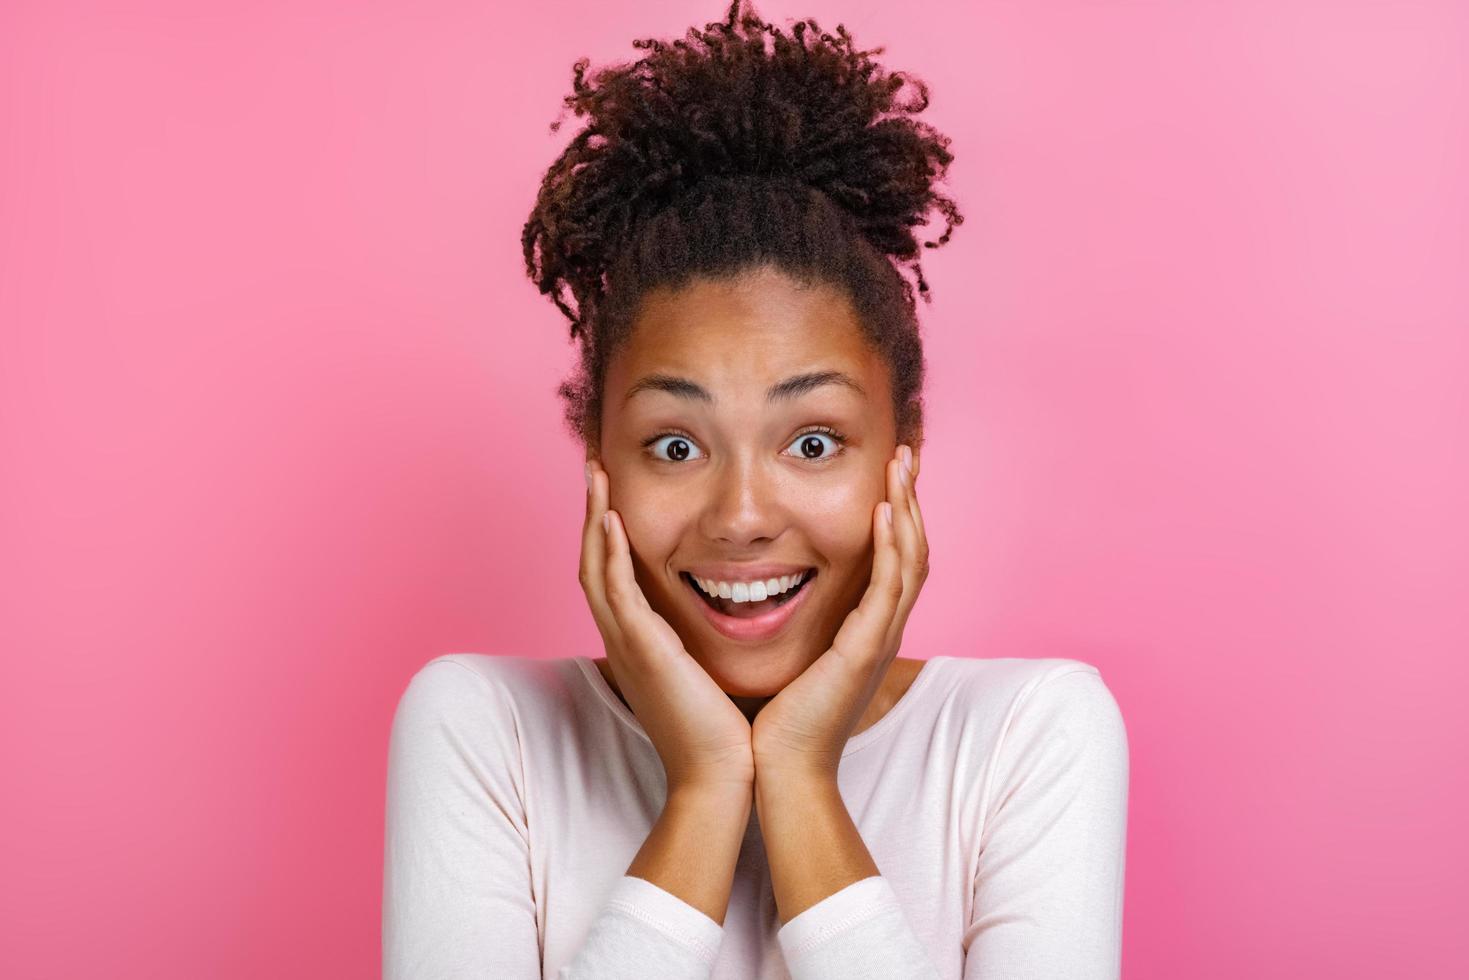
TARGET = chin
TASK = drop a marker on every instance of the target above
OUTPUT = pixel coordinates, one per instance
(749, 674)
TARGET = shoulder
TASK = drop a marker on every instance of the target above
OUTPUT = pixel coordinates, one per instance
(1020, 681)
(476, 688)
(1042, 699)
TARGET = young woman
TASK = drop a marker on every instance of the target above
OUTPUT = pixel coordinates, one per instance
(751, 783)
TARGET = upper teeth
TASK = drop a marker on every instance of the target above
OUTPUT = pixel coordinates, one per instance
(750, 591)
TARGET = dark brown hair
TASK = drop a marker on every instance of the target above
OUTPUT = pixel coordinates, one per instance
(712, 156)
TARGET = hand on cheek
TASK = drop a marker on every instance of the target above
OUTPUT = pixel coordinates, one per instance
(702, 738)
(801, 732)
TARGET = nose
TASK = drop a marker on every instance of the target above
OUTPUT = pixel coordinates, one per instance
(741, 504)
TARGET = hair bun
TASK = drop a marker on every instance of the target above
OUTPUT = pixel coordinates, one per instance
(807, 108)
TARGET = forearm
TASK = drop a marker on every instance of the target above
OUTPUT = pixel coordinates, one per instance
(811, 842)
(693, 846)
(817, 858)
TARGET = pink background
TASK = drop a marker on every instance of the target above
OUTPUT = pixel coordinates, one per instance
(277, 426)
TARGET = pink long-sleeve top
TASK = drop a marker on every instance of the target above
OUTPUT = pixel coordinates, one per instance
(992, 796)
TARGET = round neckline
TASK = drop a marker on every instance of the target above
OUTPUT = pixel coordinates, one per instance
(862, 739)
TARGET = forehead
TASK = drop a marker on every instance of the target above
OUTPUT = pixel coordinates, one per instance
(737, 337)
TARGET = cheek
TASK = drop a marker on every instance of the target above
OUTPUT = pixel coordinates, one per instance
(839, 522)
(654, 523)
(836, 520)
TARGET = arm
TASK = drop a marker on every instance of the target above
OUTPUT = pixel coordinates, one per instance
(839, 916)
(456, 874)
(692, 849)
(1048, 889)
(665, 917)
(457, 900)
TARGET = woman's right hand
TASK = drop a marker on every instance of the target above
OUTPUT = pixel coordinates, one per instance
(700, 734)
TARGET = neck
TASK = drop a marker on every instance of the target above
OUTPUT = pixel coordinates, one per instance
(899, 676)
(750, 707)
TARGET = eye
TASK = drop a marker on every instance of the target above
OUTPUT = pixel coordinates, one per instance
(678, 445)
(808, 443)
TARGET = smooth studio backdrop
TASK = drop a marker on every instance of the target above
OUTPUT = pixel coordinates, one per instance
(278, 425)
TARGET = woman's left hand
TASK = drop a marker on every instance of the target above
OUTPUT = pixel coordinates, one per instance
(802, 730)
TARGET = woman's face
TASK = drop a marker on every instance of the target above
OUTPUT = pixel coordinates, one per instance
(708, 470)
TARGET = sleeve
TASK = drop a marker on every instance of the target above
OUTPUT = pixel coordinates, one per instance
(456, 873)
(857, 933)
(645, 932)
(1048, 887)
(457, 898)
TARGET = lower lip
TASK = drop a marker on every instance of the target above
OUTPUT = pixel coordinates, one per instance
(756, 627)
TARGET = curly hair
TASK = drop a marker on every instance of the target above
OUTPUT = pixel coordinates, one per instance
(713, 156)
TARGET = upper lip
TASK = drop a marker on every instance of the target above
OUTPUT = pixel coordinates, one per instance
(745, 573)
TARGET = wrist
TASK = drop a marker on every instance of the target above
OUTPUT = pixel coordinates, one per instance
(713, 795)
(792, 777)
(796, 790)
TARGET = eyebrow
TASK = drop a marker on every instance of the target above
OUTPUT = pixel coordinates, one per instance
(792, 387)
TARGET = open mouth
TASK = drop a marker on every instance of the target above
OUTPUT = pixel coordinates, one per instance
(749, 609)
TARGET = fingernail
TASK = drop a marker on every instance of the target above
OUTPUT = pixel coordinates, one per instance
(908, 458)
(887, 512)
(607, 521)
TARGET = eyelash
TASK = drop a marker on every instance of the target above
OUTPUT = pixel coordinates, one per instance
(826, 430)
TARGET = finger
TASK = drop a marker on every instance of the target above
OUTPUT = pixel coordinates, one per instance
(624, 595)
(921, 556)
(864, 632)
(916, 512)
(888, 561)
(912, 547)
(907, 531)
(594, 558)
